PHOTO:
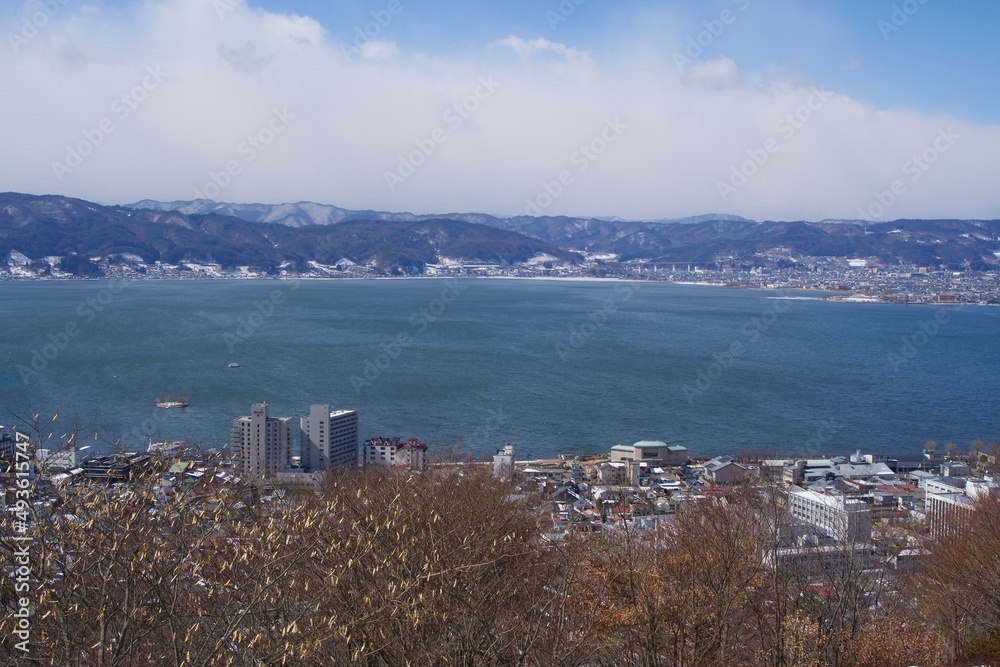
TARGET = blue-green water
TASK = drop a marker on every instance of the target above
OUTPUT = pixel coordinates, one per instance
(484, 362)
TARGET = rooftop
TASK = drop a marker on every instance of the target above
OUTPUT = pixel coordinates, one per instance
(956, 497)
(829, 500)
(954, 482)
(866, 470)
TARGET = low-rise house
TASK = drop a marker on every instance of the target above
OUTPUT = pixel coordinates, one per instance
(895, 496)
(920, 477)
(810, 471)
(775, 468)
(955, 469)
(723, 471)
(816, 470)
(612, 472)
(566, 493)
(864, 471)
(902, 464)
(980, 487)
(114, 467)
(410, 454)
(548, 473)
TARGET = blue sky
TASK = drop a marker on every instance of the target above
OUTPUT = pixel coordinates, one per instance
(944, 58)
(787, 110)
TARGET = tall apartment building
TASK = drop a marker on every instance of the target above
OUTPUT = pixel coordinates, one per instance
(264, 442)
(329, 439)
(949, 511)
(845, 520)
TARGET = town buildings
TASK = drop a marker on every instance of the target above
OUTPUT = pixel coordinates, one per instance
(114, 467)
(329, 439)
(949, 507)
(947, 512)
(264, 443)
(503, 461)
(7, 442)
(10, 438)
(724, 470)
(410, 454)
(846, 520)
(651, 452)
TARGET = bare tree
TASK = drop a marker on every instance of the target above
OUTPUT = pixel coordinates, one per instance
(960, 581)
(677, 594)
(378, 569)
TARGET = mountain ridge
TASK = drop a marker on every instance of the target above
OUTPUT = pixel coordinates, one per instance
(268, 237)
(704, 239)
(53, 226)
(313, 213)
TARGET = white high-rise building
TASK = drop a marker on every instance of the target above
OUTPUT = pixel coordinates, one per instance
(949, 512)
(847, 520)
(264, 442)
(329, 439)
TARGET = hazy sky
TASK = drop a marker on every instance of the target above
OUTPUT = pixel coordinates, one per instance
(770, 109)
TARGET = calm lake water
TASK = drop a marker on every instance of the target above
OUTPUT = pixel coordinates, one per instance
(551, 366)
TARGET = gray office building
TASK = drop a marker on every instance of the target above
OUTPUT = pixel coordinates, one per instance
(329, 439)
(264, 442)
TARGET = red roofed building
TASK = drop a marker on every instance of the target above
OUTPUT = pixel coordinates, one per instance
(411, 454)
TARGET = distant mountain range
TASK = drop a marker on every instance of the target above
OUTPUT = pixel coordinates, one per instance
(304, 214)
(52, 226)
(703, 239)
(266, 237)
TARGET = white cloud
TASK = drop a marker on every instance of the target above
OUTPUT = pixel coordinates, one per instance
(380, 50)
(527, 48)
(355, 120)
(718, 73)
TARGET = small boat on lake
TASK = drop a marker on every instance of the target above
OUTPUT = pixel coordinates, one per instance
(181, 402)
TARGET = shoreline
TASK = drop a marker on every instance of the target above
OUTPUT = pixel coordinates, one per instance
(821, 295)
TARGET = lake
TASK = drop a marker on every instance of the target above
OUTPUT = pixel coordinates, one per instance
(552, 366)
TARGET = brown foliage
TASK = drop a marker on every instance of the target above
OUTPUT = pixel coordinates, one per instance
(674, 595)
(380, 569)
(448, 567)
(960, 582)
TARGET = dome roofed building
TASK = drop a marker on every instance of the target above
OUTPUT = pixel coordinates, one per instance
(653, 452)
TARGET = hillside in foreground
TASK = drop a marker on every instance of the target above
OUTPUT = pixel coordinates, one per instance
(451, 567)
